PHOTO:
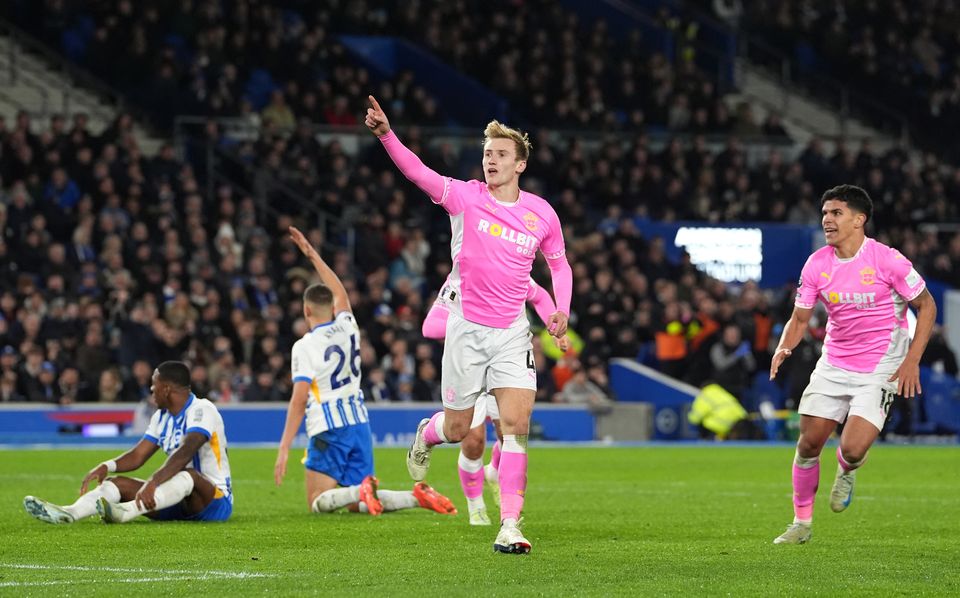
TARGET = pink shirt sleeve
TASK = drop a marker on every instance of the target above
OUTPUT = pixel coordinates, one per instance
(555, 251)
(435, 324)
(434, 185)
(552, 245)
(541, 300)
(562, 277)
(807, 289)
(906, 281)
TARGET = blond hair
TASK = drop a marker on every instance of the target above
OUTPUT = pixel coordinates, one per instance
(497, 130)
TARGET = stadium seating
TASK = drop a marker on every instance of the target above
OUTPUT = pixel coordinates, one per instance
(885, 50)
(214, 280)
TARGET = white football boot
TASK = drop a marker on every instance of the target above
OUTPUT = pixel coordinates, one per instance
(511, 541)
(842, 492)
(46, 511)
(418, 457)
(797, 533)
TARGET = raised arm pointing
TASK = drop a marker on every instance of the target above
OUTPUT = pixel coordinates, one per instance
(376, 119)
(409, 164)
(341, 301)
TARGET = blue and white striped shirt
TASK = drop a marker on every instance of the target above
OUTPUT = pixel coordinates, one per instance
(328, 359)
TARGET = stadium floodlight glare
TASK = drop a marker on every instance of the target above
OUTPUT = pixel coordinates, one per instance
(728, 254)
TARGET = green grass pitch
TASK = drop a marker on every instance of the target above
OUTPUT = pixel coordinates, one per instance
(603, 521)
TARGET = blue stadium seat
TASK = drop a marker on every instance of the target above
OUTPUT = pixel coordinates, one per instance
(181, 48)
(74, 45)
(941, 401)
(259, 87)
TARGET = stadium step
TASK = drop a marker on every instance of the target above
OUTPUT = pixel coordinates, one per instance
(33, 83)
(803, 117)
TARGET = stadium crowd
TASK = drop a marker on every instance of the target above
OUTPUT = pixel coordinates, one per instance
(111, 261)
(284, 62)
(890, 50)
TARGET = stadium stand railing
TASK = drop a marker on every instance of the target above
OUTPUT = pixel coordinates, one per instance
(842, 100)
(795, 76)
(221, 167)
(74, 78)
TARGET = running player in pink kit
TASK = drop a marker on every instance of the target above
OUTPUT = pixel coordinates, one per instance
(500, 228)
(868, 357)
(470, 465)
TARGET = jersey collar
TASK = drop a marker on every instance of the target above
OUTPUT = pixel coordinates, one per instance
(324, 325)
(185, 407)
(844, 260)
(504, 203)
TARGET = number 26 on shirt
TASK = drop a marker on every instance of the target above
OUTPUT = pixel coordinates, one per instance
(337, 352)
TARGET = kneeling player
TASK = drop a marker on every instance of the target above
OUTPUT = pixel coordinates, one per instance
(193, 484)
(326, 388)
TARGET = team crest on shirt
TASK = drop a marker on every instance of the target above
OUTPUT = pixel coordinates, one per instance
(868, 275)
(530, 221)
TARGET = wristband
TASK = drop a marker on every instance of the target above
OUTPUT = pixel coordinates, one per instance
(111, 465)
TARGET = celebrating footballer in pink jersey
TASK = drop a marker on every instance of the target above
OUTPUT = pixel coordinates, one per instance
(868, 357)
(500, 229)
(473, 473)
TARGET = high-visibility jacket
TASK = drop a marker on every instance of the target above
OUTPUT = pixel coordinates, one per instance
(716, 410)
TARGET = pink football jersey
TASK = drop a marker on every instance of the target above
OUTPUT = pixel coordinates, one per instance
(498, 244)
(866, 299)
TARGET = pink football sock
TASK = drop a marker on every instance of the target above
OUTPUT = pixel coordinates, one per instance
(847, 465)
(433, 431)
(805, 482)
(471, 481)
(495, 455)
(513, 484)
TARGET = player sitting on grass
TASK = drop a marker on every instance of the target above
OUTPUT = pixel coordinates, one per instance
(326, 387)
(194, 482)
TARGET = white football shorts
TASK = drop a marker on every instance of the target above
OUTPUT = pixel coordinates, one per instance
(486, 406)
(479, 358)
(835, 393)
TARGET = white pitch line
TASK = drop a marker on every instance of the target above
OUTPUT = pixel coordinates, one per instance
(60, 582)
(207, 574)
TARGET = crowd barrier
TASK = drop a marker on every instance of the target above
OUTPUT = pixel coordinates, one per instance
(253, 423)
(935, 412)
